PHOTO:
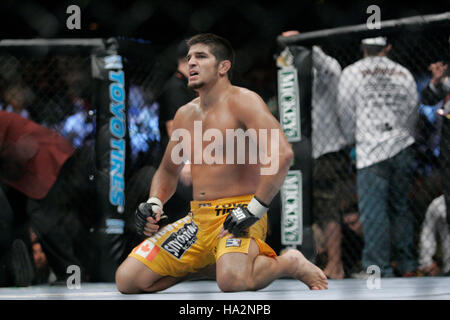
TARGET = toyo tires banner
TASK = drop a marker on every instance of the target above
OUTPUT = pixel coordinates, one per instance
(111, 142)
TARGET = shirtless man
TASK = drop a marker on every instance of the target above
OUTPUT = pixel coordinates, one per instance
(227, 225)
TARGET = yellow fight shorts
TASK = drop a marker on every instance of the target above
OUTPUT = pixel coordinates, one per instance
(192, 242)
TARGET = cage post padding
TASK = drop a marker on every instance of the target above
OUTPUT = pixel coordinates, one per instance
(111, 142)
(294, 103)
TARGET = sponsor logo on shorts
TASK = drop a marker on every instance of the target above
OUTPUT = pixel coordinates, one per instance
(147, 250)
(226, 208)
(201, 205)
(180, 241)
(233, 242)
(239, 213)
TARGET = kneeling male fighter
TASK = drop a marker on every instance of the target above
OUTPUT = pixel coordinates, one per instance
(226, 227)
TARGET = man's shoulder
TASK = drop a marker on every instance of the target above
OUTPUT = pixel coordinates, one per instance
(350, 72)
(240, 94)
(357, 64)
(189, 108)
(245, 101)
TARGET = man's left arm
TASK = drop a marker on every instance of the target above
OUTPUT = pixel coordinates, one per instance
(278, 152)
(275, 155)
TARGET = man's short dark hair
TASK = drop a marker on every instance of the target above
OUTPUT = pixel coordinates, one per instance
(182, 50)
(220, 47)
(372, 50)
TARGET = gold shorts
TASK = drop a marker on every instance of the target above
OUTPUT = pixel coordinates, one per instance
(192, 242)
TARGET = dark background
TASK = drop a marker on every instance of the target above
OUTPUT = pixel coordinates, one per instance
(251, 26)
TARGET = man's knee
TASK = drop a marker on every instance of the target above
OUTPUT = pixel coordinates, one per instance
(232, 281)
(133, 277)
(234, 270)
(125, 281)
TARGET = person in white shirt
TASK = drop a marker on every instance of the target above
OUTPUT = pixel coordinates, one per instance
(433, 225)
(377, 101)
(331, 160)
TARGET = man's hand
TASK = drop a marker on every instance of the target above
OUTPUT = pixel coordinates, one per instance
(242, 218)
(148, 217)
(238, 221)
(290, 33)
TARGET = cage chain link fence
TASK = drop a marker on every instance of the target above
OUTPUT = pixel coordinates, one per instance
(379, 150)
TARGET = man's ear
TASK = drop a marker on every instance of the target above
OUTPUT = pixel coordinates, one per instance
(387, 49)
(224, 67)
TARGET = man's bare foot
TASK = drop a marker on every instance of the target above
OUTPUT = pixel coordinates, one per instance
(334, 271)
(307, 272)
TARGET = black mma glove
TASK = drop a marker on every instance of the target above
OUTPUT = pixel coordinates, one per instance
(148, 209)
(242, 218)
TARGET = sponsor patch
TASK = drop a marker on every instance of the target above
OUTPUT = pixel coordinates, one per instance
(201, 205)
(178, 242)
(239, 213)
(233, 242)
(147, 250)
(223, 209)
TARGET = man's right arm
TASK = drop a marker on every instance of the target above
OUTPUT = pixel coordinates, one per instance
(163, 186)
(165, 180)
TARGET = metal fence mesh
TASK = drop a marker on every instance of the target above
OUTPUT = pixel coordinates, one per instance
(56, 91)
(377, 150)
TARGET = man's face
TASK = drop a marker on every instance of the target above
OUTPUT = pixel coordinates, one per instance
(202, 66)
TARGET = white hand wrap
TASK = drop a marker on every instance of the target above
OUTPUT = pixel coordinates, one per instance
(256, 208)
(156, 201)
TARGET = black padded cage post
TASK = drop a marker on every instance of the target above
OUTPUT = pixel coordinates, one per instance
(111, 149)
(294, 107)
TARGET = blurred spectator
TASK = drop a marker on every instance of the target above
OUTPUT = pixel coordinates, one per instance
(79, 127)
(145, 152)
(43, 165)
(331, 160)
(433, 226)
(438, 89)
(46, 80)
(143, 127)
(17, 99)
(426, 167)
(43, 273)
(12, 256)
(377, 98)
(428, 132)
(176, 94)
(352, 240)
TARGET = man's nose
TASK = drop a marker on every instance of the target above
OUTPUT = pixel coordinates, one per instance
(192, 61)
